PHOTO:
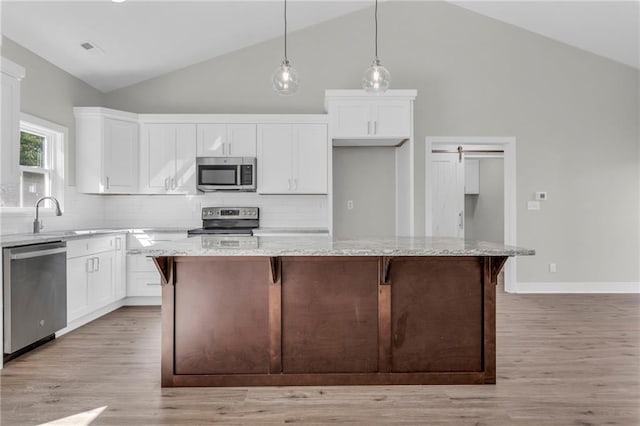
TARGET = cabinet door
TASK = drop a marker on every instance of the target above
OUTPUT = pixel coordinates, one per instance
(10, 142)
(212, 140)
(183, 179)
(350, 119)
(157, 164)
(119, 269)
(436, 314)
(241, 140)
(310, 154)
(275, 158)
(120, 153)
(100, 292)
(391, 118)
(78, 270)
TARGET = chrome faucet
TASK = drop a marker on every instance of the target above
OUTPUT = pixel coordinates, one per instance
(37, 225)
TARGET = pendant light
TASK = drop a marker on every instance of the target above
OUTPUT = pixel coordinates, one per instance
(285, 77)
(376, 77)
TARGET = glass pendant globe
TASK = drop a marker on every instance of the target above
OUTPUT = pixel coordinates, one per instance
(376, 78)
(285, 79)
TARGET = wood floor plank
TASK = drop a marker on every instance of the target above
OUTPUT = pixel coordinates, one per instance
(561, 360)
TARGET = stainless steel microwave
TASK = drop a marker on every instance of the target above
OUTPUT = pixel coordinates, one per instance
(226, 173)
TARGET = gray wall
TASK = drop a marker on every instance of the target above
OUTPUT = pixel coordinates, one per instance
(484, 213)
(50, 93)
(371, 188)
(574, 114)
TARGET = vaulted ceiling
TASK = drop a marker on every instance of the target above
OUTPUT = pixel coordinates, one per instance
(137, 40)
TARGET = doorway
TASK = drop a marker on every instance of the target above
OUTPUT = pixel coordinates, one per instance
(444, 180)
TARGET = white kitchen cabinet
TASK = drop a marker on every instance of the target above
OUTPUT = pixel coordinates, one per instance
(371, 118)
(168, 158)
(106, 151)
(472, 177)
(226, 140)
(358, 118)
(143, 278)
(93, 269)
(10, 76)
(120, 268)
(292, 159)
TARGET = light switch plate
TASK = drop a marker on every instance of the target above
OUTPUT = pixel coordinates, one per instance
(533, 205)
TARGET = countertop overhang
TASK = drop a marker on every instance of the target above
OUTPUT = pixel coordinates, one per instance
(274, 246)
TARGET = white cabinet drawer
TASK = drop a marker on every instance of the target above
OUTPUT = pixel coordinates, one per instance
(139, 263)
(143, 284)
(89, 246)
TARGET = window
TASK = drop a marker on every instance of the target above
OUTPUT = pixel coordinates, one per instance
(41, 164)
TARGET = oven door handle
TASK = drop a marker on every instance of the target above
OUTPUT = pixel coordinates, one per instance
(38, 253)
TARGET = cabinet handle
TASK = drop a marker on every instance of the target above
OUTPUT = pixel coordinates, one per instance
(118, 243)
(461, 219)
(166, 184)
(368, 127)
(98, 262)
(89, 265)
(173, 183)
(375, 127)
(153, 284)
(289, 184)
(229, 149)
(108, 182)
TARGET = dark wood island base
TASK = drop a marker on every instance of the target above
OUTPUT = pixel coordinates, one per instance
(328, 320)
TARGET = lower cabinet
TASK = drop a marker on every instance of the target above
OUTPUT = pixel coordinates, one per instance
(142, 277)
(95, 274)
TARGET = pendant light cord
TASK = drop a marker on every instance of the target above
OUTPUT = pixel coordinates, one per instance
(376, 18)
(285, 30)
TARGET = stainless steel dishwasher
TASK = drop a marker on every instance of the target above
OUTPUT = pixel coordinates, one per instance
(35, 295)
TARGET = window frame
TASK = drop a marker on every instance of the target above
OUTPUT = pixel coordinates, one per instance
(56, 137)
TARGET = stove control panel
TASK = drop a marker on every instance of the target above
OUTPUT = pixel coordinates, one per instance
(209, 213)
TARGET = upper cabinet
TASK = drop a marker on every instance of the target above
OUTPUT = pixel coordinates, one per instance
(292, 158)
(358, 118)
(11, 74)
(168, 153)
(226, 140)
(106, 151)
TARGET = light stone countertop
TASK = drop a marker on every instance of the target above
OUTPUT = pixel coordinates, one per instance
(13, 240)
(207, 245)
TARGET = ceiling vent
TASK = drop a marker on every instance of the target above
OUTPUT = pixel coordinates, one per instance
(92, 48)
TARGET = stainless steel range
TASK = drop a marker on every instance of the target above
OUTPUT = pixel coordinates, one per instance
(235, 221)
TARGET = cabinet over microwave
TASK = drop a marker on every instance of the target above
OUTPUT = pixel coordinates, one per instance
(226, 173)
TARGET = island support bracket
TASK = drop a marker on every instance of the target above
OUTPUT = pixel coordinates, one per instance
(497, 263)
(274, 262)
(166, 267)
(386, 269)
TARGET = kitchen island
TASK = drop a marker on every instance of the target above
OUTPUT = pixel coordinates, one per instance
(243, 311)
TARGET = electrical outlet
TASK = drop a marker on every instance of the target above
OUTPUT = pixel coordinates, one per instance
(533, 205)
(541, 196)
(350, 205)
(552, 268)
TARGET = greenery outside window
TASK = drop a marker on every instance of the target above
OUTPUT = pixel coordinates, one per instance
(41, 165)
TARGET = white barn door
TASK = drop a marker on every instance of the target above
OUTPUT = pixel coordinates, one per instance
(447, 200)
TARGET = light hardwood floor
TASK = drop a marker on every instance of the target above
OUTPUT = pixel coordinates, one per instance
(562, 360)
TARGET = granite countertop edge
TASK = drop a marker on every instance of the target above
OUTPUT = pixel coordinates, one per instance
(272, 246)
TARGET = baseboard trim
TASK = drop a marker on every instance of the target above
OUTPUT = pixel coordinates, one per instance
(143, 301)
(79, 322)
(577, 287)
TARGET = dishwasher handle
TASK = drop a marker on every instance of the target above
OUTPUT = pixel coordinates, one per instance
(38, 253)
